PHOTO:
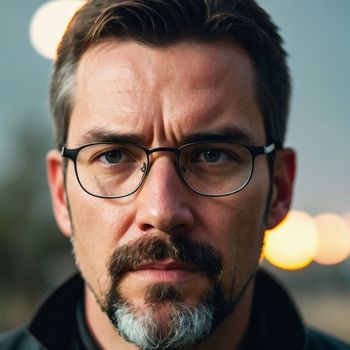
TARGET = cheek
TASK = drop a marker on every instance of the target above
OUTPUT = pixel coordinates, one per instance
(99, 226)
(235, 221)
(236, 230)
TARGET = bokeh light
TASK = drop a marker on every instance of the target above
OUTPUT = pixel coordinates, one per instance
(293, 244)
(334, 239)
(49, 24)
(346, 217)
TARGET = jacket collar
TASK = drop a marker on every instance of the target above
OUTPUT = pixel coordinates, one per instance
(55, 320)
(275, 321)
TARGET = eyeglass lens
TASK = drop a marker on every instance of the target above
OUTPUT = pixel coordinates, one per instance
(116, 170)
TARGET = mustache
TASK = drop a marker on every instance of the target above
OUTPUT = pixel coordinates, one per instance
(180, 249)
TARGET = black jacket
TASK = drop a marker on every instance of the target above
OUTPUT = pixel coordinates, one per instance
(275, 324)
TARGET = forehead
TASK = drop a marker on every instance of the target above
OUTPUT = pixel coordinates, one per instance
(164, 93)
(207, 63)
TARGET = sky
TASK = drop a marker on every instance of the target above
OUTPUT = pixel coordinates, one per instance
(316, 34)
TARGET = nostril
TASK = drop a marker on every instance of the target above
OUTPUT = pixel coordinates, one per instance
(179, 229)
(176, 230)
(146, 227)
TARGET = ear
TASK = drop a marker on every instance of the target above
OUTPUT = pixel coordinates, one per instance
(284, 174)
(54, 166)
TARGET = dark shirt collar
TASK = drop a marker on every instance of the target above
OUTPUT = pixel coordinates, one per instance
(275, 323)
(54, 323)
(83, 338)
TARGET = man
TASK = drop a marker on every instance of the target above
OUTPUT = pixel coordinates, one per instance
(170, 118)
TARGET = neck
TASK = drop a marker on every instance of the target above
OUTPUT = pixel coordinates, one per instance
(227, 336)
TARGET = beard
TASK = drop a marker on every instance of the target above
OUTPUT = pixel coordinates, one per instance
(165, 320)
(179, 326)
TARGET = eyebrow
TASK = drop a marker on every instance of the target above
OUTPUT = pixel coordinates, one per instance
(228, 133)
(224, 134)
(101, 135)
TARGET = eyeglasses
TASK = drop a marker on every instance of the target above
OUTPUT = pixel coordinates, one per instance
(116, 170)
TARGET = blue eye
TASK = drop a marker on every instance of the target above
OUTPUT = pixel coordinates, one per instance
(212, 155)
(113, 156)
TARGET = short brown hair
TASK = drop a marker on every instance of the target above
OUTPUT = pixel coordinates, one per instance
(165, 22)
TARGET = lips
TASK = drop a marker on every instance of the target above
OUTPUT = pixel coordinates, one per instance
(165, 271)
(165, 265)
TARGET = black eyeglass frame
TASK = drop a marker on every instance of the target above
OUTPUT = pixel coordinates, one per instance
(72, 154)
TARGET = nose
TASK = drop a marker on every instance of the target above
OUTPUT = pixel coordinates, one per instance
(164, 202)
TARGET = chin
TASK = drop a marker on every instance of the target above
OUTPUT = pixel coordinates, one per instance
(168, 318)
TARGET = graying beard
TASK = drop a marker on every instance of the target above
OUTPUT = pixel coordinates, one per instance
(188, 325)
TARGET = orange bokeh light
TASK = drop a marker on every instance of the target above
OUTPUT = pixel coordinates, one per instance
(292, 244)
(334, 239)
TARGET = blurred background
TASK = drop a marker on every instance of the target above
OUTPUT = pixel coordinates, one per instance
(309, 252)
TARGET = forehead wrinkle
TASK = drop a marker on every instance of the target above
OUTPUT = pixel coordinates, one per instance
(119, 81)
(205, 103)
(167, 96)
(159, 60)
(114, 76)
(152, 76)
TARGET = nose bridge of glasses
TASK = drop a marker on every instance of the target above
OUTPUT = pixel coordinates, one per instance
(173, 150)
(164, 149)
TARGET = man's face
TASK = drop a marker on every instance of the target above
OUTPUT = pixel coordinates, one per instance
(162, 96)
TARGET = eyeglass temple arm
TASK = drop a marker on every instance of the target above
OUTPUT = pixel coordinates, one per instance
(270, 148)
(69, 153)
